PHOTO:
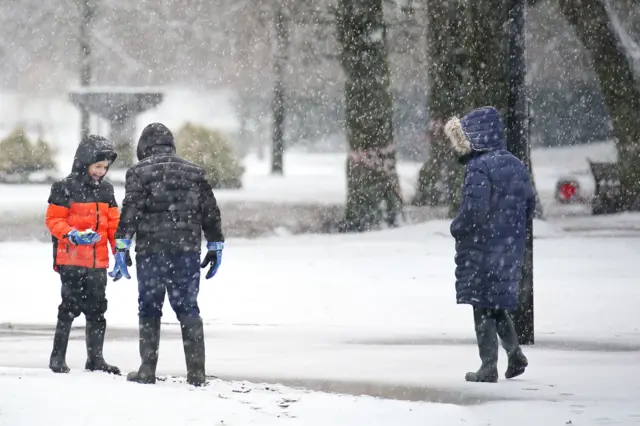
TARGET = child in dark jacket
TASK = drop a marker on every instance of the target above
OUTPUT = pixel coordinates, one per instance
(83, 217)
(168, 205)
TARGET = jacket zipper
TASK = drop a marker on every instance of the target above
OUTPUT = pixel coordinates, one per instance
(97, 224)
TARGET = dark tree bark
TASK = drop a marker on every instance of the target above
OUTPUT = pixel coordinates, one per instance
(486, 42)
(371, 163)
(487, 78)
(446, 97)
(621, 91)
(279, 99)
(488, 60)
(87, 14)
(517, 124)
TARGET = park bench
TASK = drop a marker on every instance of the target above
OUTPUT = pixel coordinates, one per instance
(607, 196)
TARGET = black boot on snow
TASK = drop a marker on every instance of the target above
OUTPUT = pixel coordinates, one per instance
(517, 364)
(149, 344)
(194, 353)
(94, 336)
(507, 332)
(57, 362)
(487, 336)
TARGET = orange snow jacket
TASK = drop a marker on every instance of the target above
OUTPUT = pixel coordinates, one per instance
(79, 202)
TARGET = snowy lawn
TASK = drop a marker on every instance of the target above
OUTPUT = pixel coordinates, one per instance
(561, 388)
(371, 314)
(367, 314)
(385, 283)
(33, 397)
(309, 178)
(320, 179)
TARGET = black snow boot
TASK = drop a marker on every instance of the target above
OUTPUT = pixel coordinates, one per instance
(487, 336)
(507, 332)
(194, 353)
(57, 362)
(94, 336)
(149, 344)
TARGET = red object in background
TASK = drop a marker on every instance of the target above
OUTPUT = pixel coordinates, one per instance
(567, 191)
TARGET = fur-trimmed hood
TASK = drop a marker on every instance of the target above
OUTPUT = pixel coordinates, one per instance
(481, 130)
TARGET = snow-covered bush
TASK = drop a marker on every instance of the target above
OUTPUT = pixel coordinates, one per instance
(211, 150)
(43, 155)
(19, 156)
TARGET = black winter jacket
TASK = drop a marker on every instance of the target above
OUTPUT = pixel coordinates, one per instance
(168, 202)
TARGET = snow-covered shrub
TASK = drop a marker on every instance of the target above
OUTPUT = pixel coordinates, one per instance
(211, 150)
(19, 156)
(43, 155)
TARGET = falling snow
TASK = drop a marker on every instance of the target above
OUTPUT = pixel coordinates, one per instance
(319, 126)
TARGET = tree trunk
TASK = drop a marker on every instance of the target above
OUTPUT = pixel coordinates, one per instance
(517, 125)
(87, 13)
(371, 172)
(485, 40)
(486, 80)
(282, 41)
(488, 61)
(446, 71)
(244, 142)
(621, 92)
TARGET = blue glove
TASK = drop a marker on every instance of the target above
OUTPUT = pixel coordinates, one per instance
(83, 238)
(123, 259)
(213, 257)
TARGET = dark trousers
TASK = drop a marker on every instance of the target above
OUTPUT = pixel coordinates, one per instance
(490, 313)
(504, 327)
(83, 292)
(177, 274)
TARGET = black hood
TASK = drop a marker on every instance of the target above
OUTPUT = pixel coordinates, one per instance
(156, 138)
(92, 148)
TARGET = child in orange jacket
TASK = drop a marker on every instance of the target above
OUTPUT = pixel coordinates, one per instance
(83, 217)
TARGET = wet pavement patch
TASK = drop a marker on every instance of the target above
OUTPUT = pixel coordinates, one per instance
(541, 342)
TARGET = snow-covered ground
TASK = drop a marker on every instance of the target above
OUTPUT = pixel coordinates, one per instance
(31, 397)
(321, 179)
(391, 276)
(564, 388)
(309, 178)
(371, 314)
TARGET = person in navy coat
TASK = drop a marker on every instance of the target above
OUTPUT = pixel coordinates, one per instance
(490, 231)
